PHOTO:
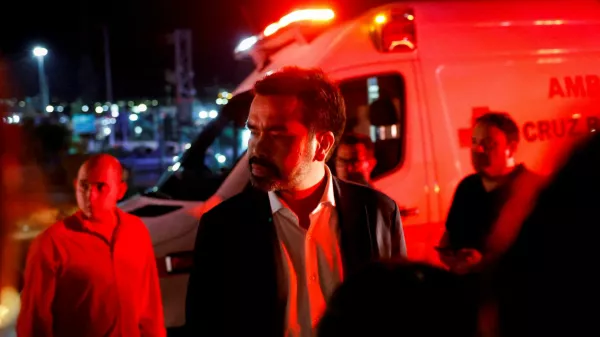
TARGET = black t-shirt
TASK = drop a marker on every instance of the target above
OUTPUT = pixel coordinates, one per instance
(474, 210)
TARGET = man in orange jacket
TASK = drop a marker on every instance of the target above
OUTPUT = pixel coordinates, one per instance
(94, 273)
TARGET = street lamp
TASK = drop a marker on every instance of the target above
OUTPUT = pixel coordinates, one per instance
(40, 53)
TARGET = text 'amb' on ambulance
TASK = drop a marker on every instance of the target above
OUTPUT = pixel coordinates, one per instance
(442, 63)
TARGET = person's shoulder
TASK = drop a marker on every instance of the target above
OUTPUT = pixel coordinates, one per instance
(234, 206)
(469, 181)
(367, 194)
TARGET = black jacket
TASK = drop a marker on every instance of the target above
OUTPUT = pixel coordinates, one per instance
(238, 288)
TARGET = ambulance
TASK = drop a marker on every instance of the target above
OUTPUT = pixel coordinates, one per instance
(439, 65)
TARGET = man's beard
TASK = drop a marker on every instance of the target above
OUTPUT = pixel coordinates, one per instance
(276, 181)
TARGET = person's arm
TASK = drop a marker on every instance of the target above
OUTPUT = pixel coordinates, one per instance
(206, 312)
(36, 317)
(152, 319)
(446, 251)
(398, 241)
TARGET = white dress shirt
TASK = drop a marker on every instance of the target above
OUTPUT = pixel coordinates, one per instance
(312, 260)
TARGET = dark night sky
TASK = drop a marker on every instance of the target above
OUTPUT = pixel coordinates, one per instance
(71, 30)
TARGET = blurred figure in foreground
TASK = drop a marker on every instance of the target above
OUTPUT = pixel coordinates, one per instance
(479, 197)
(10, 195)
(355, 158)
(390, 299)
(93, 274)
(546, 283)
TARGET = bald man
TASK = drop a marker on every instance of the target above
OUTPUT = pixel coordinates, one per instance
(94, 273)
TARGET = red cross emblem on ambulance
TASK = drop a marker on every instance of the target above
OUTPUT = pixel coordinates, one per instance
(464, 135)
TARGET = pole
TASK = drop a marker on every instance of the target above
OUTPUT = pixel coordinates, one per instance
(43, 84)
(107, 68)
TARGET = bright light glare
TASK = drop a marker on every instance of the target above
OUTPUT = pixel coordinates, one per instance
(40, 51)
(246, 44)
(297, 16)
(49, 108)
(380, 19)
(213, 114)
(220, 158)
(137, 129)
(133, 118)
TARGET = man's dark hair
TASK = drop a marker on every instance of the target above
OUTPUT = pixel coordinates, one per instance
(354, 138)
(323, 104)
(502, 121)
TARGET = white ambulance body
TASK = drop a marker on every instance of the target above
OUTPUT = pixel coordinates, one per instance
(442, 63)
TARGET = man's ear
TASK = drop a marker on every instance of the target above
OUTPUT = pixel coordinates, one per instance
(372, 164)
(122, 189)
(512, 148)
(325, 144)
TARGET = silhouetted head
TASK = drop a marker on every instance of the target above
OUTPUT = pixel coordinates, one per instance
(400, 299)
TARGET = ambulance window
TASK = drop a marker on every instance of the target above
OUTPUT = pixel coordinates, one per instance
(375, 106)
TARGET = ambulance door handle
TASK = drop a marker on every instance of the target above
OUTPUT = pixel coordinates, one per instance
(409, 211)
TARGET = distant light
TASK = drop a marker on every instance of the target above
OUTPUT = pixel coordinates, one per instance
(49, 108)
(175, 166)
(9, 120)
(220, 101)
(213, 114)
(105, 107)
(133, 118)
(154, 102)
(225, 101)
(85, 108)
(60, 108)
(22, 104)
(135, 109)
(114, 110)
(137, 129)
(63, 119)
(246, 44)
(99, 110)
(40, 51)
(187, 146)
(409, 17)
(106, 131)
(176, 158)
(142, 107)
(203, 114)
(220, 158)
(16, 119)
(130, 103)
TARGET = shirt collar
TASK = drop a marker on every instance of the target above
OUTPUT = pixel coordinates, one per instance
(88, 226)
(328, 196)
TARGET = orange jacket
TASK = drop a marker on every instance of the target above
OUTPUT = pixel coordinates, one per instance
(78, 283)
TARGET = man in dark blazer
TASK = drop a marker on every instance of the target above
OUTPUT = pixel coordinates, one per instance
(267, 260)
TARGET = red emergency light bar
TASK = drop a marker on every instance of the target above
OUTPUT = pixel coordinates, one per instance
(275, 32)
(394, 31)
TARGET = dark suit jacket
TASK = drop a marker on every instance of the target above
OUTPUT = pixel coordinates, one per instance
(238, 287)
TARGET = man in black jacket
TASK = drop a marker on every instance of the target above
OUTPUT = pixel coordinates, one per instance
(267, 260)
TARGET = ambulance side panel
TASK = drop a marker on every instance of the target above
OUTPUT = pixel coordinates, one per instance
(555, 100)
